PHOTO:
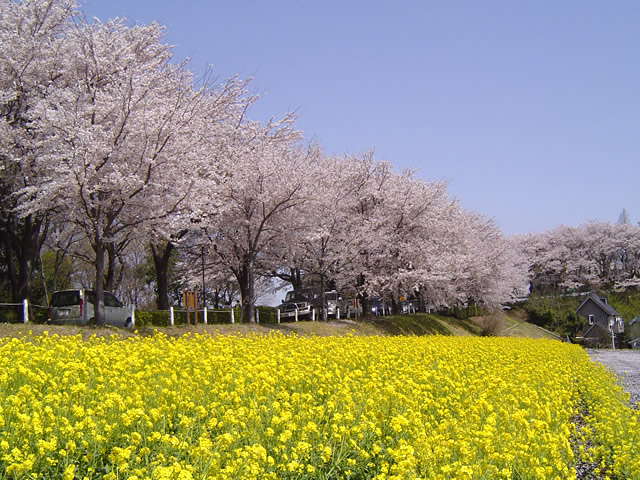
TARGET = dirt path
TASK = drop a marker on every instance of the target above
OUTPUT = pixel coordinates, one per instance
(624, 363)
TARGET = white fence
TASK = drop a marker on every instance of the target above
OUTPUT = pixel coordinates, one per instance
(204, 314)
(25, 309)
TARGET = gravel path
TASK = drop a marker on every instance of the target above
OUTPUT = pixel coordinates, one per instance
(624, 363)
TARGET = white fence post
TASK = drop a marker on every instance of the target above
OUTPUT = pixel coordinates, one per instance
(25, 311)
(171, 316)
(296, 314)
(278, 314)
(133, 315)
(257, 316)
(231, 314)
(337, 313)
(204, 315)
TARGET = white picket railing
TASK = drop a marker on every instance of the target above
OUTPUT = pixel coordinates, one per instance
(25, 309)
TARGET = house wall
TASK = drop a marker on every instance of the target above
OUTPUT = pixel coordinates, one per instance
(634, 331)
(590, 308)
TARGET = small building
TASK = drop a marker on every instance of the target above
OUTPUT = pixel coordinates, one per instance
(602, 321)
(634, 332)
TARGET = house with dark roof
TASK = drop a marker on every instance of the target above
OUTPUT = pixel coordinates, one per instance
(603, 322)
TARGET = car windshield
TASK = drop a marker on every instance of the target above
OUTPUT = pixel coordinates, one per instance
(91, 297)
(299, 296)
(111, 301)
(66, 299)
(332, 295)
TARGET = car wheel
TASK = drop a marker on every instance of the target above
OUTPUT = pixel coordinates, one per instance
(128, 323)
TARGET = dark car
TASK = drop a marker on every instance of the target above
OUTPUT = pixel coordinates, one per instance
(299, 304)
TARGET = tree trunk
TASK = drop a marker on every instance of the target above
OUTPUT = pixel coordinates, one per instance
(11, 266)
(296, 278)
(250, 301)
(161, 257)
(394, 305)
(43, 279)
(111, 268)
(363, 299)
(323, 298)
(216, 298)
(98, 308)
(246, 281)
(420, 298)
(293, 276)
(22, 241)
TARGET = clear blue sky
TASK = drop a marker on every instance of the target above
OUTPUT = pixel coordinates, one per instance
(529, 110)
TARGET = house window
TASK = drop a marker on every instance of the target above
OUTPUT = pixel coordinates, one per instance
(592, 319)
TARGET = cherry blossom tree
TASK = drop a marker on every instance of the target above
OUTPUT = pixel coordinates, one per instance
(593, 255)
(224, 108)
(363, 197)
(376, 232)
(125, 135)
(100, 130)
(325, 242)
(431, 248)
(32, 43)
(266, 178)
(435, 250)
(493, 272)
(413, 214)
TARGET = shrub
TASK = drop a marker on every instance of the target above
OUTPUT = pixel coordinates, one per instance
(556, 313)
(161, 318)
(11, 314)
(156, 318)
(627, 303)
(222, 316)
(491, 325)
(267, 314)
(462, 312)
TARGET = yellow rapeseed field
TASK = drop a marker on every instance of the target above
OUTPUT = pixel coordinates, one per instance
(276, 406)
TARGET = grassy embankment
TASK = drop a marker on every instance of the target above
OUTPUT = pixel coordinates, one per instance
(510, 323)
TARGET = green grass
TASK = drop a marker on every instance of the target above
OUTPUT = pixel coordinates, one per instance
(626, 303)
(424, 324)
(516, 325)
(510, 323)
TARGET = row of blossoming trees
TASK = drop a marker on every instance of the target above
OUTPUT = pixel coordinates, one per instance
(596, 255)
(109, 147)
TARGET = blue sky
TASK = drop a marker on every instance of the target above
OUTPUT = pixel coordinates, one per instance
(529, 110)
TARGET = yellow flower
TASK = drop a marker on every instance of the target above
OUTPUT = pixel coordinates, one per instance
(69, 472)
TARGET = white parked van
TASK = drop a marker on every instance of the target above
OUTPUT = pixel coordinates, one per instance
(77, 307)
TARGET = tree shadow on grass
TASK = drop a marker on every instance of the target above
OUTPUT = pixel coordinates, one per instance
(410, 325)
(465, 324)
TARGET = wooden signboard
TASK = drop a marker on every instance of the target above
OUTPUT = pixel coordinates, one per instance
(190, 301)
